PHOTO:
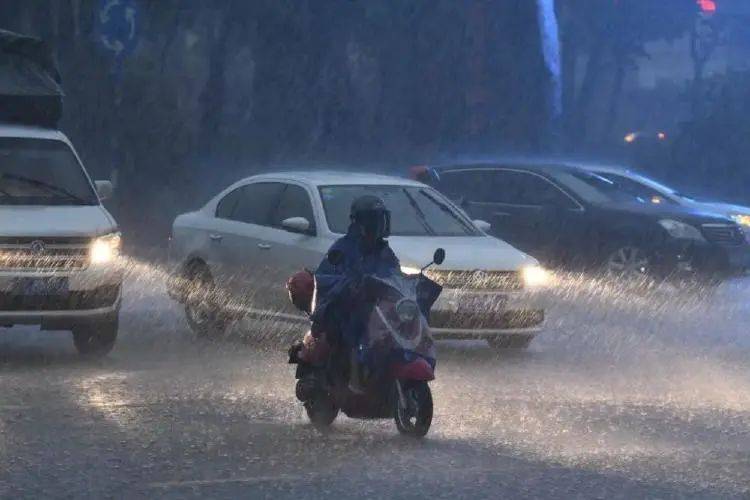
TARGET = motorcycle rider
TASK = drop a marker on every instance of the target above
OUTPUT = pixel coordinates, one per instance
(364, 250)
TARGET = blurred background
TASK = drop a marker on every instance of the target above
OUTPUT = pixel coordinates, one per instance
(173, 99)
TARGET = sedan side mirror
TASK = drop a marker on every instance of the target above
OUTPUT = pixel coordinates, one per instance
(483, 225)
(104, 189)
(296, 224)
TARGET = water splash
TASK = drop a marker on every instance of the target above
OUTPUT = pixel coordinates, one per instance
(551, 51)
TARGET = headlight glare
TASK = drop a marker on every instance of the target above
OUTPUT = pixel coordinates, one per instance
(680, 230)
(410, 270)
(535, 276)
(105, 249)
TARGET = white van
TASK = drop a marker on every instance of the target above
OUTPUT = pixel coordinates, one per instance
(59, 247)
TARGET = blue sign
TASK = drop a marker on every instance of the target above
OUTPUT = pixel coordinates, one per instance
(117, 33)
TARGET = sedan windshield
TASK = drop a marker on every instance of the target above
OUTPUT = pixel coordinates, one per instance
(42, 172)
(415, 211)
(609, 188)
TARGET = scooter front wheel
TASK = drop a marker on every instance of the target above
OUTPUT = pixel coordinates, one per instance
(413, 412)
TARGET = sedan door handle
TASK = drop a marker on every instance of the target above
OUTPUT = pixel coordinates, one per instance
(501, 214)
(215, 237)
(264, 246)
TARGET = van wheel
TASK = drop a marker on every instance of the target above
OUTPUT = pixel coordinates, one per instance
(96, 340)
(204, 316)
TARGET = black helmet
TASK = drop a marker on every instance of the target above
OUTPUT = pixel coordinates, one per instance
(370, 214)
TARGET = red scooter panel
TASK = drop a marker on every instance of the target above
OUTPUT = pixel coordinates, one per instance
(419, 369)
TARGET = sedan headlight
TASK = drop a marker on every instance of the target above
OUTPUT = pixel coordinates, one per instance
(535, 276)
(742, 219)
(407, 311)
(410, 270)
(680, 230)
(105, 249)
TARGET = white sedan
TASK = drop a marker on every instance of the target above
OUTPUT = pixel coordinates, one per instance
(233, 256)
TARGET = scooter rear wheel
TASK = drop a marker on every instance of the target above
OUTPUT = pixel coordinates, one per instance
(415, 418)
(321, 411)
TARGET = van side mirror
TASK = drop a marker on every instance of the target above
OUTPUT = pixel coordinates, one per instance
(104, 189)
(335, 257)
(483, 225)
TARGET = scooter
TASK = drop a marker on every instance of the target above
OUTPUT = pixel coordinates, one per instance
(396, 357)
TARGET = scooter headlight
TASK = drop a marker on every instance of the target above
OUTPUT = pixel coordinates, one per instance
(407, 311)
(105, 249)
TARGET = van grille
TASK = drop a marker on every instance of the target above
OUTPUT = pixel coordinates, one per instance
(478, 280)
(725, 234)
(29, 254)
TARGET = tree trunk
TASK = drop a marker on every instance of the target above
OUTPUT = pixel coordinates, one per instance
(614, 100)
(592, 73)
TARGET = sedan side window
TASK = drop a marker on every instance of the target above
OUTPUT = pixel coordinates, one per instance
(226, 206)
(522, 188)
(294, 202)
(461, 185)
(257, 202)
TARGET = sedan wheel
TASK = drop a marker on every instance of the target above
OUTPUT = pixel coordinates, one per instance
(629, 263)
(203, 314)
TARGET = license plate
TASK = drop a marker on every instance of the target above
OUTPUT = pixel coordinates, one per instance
(40, 287)
(471, 305)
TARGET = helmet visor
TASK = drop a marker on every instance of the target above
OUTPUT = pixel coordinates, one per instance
(375, 223)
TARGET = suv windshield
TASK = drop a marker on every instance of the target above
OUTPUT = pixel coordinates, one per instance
(415, 211)
(42, 172)
(606, 188)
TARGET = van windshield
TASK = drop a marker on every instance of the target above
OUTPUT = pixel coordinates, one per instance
(42, 172)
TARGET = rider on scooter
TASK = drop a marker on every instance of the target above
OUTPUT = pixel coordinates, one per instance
(364, 250)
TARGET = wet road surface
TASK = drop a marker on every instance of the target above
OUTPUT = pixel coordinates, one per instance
(623, 397)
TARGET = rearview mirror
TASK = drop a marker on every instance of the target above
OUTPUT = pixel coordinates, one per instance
(104, 189)
(296, 224)
(482, 225)
(335, 257)
(439, 256)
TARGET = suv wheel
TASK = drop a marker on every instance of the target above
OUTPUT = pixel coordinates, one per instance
(203, 314)
(97, 339)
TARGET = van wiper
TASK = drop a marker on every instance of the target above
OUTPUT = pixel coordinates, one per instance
(48, 187)
(420, 213)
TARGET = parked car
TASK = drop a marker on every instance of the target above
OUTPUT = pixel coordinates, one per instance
(58, 245)
(568, 215)
(244, 243)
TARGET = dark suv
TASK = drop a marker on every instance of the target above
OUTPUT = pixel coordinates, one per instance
(567, 215)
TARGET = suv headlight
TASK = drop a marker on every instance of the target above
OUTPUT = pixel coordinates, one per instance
(680, 230)
(105, 249)
(535, 276)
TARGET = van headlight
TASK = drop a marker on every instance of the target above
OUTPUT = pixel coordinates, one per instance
(535, 276)
(105, 249)
(680, 230)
